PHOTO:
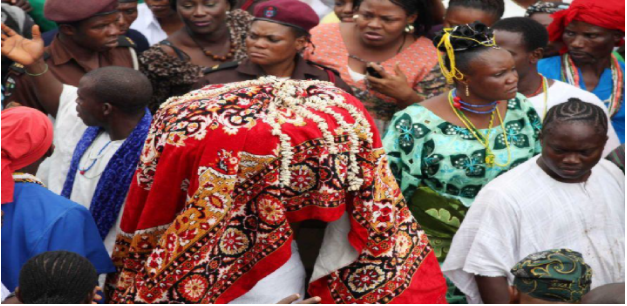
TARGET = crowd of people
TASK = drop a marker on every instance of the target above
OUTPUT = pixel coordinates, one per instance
(301, 151)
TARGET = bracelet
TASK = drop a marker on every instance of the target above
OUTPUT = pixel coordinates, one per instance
(36, 74)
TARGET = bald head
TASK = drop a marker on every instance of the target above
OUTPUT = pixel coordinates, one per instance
(126, 89)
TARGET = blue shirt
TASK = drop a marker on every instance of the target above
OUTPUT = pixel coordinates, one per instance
(38, 221)
(552, 68)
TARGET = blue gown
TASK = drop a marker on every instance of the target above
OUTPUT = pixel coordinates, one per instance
(552, 68)
(38, 221)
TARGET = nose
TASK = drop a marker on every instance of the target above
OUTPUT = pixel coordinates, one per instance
(347, 9)
(199, 11)
(572, 159)
(578, 42)
(374, 23)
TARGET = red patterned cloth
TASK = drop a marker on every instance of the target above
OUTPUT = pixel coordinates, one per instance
(208, 216)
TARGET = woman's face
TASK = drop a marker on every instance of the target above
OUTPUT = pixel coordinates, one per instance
(381, 22)
(160, 8)
(344, 10)
(203, 16)
(492, 75)
(270, 43)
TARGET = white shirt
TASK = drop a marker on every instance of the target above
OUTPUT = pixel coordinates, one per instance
(525, 211)
(560, 92)
(147, 24)
(68, 130)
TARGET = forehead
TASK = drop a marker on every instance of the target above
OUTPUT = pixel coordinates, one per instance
(580, 26)
(382, 7)
(126, 5)
(509, 40)
(262, 27)
(492, 60)
(574, 135)
(462, 15)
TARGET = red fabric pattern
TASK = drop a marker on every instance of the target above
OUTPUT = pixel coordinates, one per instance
(609, 14)
(207, 217)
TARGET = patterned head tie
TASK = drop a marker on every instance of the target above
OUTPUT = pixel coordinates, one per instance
(558, 275)
(545, 7)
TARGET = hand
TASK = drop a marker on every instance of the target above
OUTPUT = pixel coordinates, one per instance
(97, 297)
(23, 4)
(394, 86)
(21, 50)
(290, 299)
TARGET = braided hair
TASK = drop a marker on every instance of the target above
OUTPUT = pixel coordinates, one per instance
(576, 111)
(460, 45)
(495, 8)
(57, 277)
(423, 8)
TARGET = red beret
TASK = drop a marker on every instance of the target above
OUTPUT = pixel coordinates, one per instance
(66, 11)
(292, 13)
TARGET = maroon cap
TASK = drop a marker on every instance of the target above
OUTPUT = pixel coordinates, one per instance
(66, 11)
(292, 13)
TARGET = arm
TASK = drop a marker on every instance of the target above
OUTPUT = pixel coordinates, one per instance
(30, 54)
(493, 290)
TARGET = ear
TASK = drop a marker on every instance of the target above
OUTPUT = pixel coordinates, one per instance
(67, 29)
(107, 109)
(301, 43)
(412, 18)
(536, 55)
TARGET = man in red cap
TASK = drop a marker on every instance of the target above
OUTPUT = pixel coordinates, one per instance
(280, 31)
(590, 30)
(89, 38)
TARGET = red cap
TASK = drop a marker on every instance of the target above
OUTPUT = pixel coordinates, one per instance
(292, 13)
(66, 11)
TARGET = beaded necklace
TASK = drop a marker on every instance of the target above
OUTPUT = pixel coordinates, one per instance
(570, 74)
(84, 170)
(490, 158)
(459, 104)
(208, 53)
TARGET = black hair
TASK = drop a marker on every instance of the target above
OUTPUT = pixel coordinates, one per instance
(57, 277)
(423, 8)
(465, 41)
(534, 35)
(128, 89)
(576, 111)
(495, 8)
(232, 3)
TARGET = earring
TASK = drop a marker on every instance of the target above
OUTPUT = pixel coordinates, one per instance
(467, 91)
(409, 28)
(355, 16)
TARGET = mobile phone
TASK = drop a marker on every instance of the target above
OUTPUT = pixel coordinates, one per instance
(373, 73)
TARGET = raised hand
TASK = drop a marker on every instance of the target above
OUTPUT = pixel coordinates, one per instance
(21, 50)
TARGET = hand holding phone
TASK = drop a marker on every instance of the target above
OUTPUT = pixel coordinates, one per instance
(373, 72)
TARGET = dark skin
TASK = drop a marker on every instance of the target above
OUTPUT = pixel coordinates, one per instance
(376, 35)
(128, 12)
(168, 19)
(553, 48)
(570, 150)
(343, 9)
(529, 80)
(590, 47)
(491, 77)
(48, 89)
(205, 20)
(518, 297)
(96, 34)
(606, 294)
(462, 15)
(273, 47)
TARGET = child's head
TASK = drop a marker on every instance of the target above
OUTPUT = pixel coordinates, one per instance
(57, 277)
(553, 276)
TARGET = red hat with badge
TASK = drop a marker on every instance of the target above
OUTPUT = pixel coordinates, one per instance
(68, 11)
(291, 13)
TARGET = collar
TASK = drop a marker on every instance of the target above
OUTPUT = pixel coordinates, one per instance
(21, 177)
(58, 52)
(302, 70)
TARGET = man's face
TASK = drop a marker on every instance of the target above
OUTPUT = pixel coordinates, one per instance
(588, 43)
(87, 108)
(128, 11)
(514, 44)
(99, 33)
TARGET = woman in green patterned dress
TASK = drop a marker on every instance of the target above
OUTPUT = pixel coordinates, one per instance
(445, 149)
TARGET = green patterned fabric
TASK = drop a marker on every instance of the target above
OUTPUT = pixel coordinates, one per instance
(441, 167)
(559, 275)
